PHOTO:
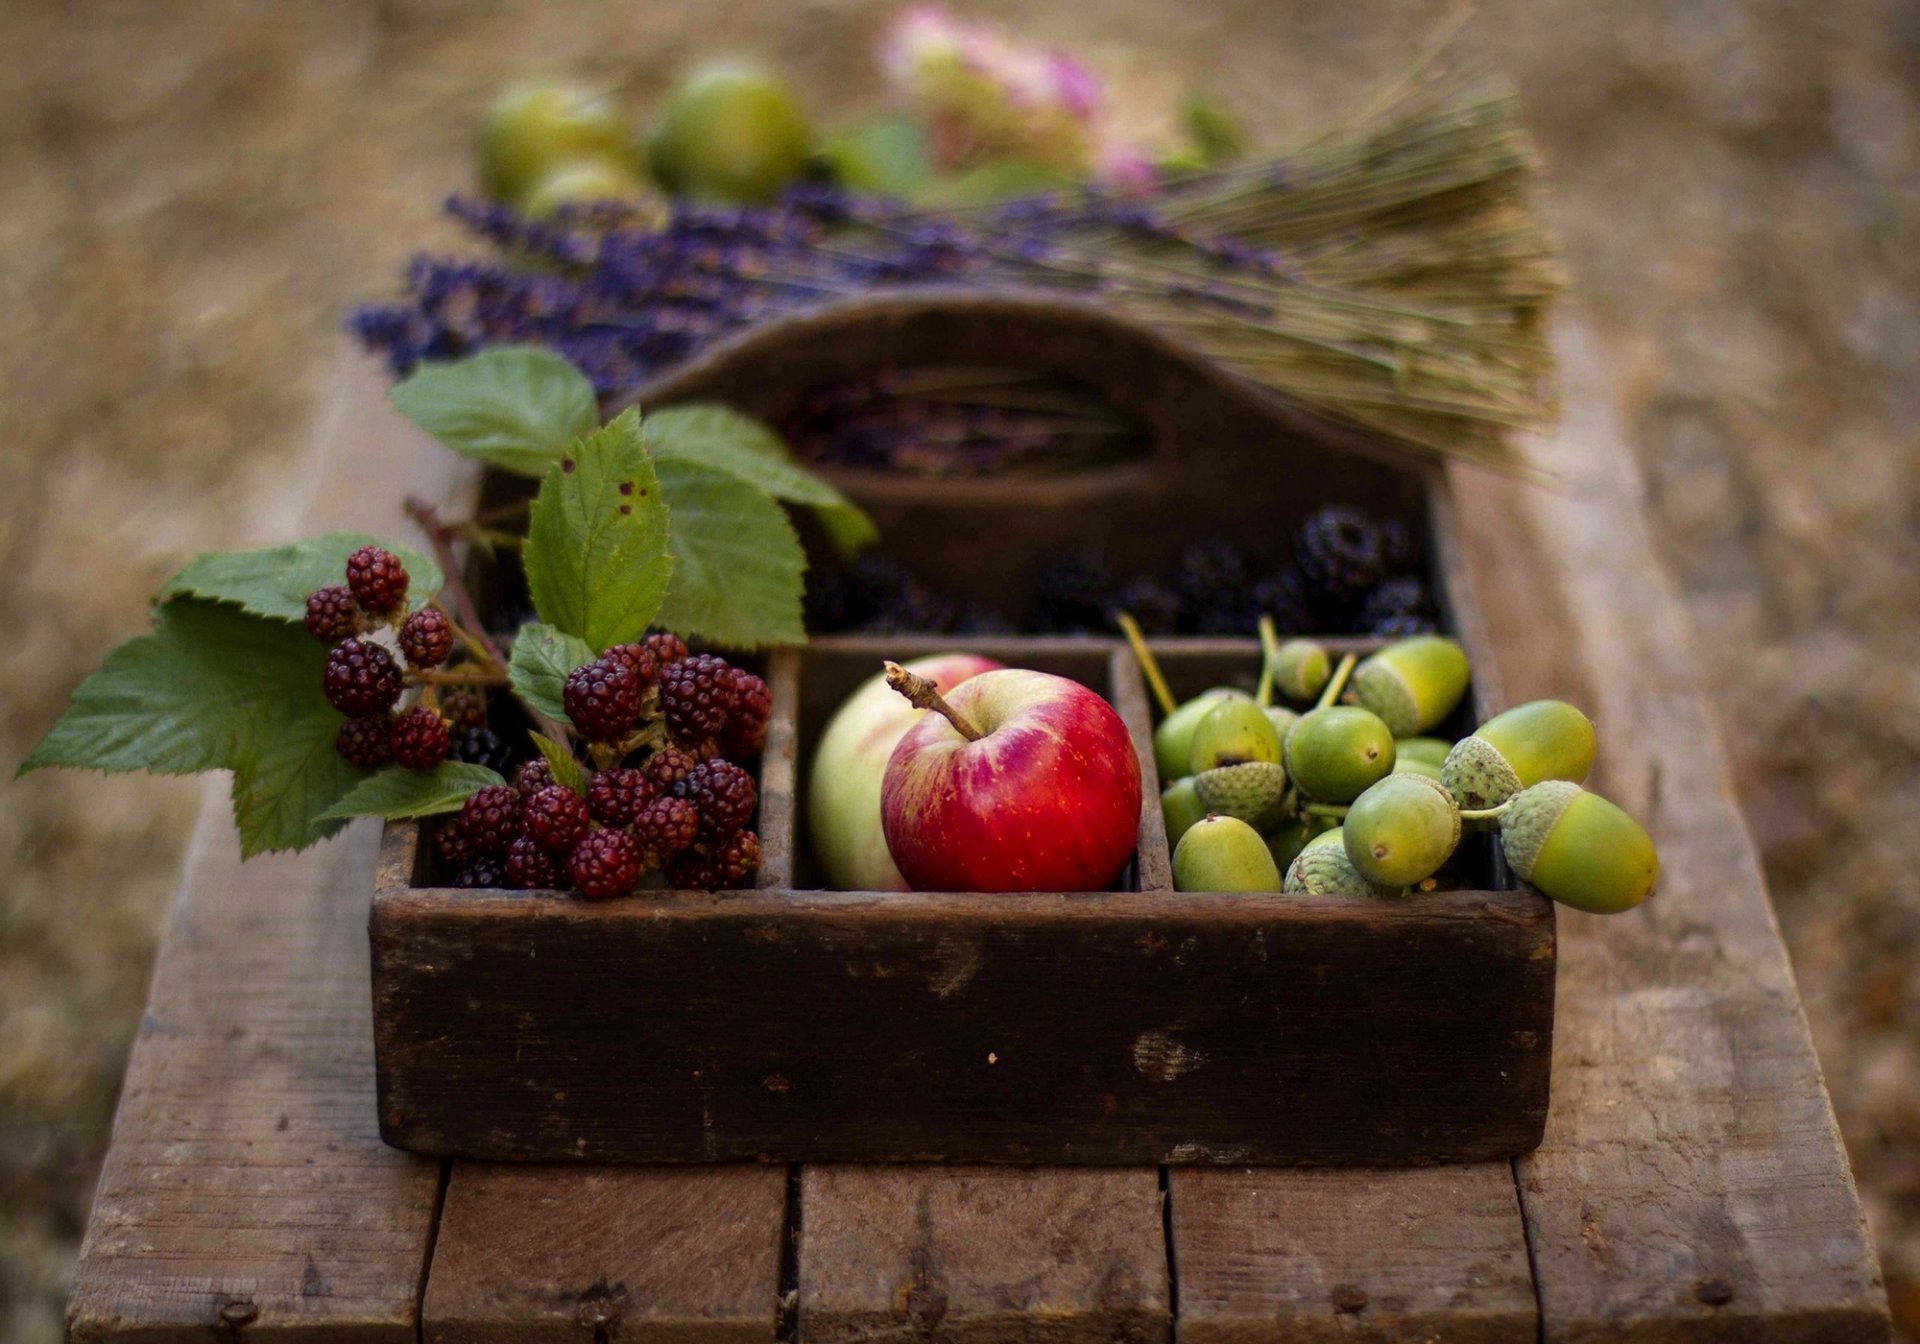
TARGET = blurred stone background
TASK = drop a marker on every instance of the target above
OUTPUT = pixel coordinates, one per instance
(190, 196)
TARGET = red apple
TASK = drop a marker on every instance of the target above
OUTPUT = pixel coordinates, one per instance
(1023, 781)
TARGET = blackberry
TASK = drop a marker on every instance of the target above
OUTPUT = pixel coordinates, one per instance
(1342, 555)
(464, 707)
(1283, 595)
(451, 846)
(331, 614)
(723, 792)
(1404, 625)
(1071, 595)
(668, 766)
(917, 610)
(532, 777)
(665, 648)
(529, 867)
(556, 817)
(420, 738)
(616, 795)
(1401, 597)
(746, 732)
(1210, 574)
(367, 743)
(490, 818)
(1155, 605)
(484, 871)
(479, 745)
(665, 827)
(361, 679)
(638, 657)
(603, 699)
(426, 637)
(730, 863)
(378, 579)
(604, 864)
(698, 695)
(1401, 550)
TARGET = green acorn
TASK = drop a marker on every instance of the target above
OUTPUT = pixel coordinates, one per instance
(1301, 668)
(1578, 848)
(1223, 854)
(1402, 830)
(1233, 732)
(1413, 765)
(1432, 750)
(1333, 754)
(1250, 791)
(1173, 739)
(1527, 745)
(1286, 841)
(1413, 684)
(1282, 720)
(1180, 807)
(1323, 869)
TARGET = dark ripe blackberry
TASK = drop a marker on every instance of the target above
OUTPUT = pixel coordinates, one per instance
(606, 863)
(723, 792)
(1155, 605)
(420, 738)
(918, 610)
(426, 637)
(668, 766)
(361, 679)
(638, 657)
(665, 648)
(556, 817)
(665, 826)
(603, 699)
(1211, 575)
(698, 696)
(479, 746)
(1404, 625)
(1398, 545)
(367, 743)
(1071, 595)
(731, 862)
(616, 795)
(490, 818)
(746, 732)
(1341, 553)
(378, 579)
(451, 846)
(532, 777)
(529, 867)
(1283, 596)
(978, 620)
(485, 871)
(331, 614)
(464, 707)
(1394, 598)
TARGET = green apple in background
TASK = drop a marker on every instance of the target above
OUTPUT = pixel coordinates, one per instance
(535, 128)
(584, 182)
(731, 131)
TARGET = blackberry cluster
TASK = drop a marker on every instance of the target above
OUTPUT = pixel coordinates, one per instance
(877, 595)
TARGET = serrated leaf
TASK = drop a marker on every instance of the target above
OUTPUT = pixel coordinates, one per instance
(518, 408)
(563, 764)
(274, 582)
(538, 664)
(397, 793)
(284, 787)
(738, 570)
(596, 555)
(720, 437)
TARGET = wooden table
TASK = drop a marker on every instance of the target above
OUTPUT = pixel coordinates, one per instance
(1691, 1186)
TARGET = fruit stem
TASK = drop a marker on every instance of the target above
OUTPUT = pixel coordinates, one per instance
(1332, 811)
(922, 693)
(436, 678)
(1269, 658)
(466, 637)
(1337, 682)
(1485, 813)
(1149, 665)
(440, 537)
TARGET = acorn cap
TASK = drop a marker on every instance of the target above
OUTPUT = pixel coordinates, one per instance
(1173, 737)
(1301, 668)
(1223, 854)
(1413, 684)
(1180, 808)
(1333, 754)
(1233, 732)
(1401, 830)
(1542, 740)
(1478, 775)
(1578, 848)
(1323, 869)
(1250, 791)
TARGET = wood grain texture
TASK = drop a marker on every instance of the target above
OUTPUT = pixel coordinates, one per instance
(1691, 1184)
(528, 1255)
(981, 1256)
(1298, 1257)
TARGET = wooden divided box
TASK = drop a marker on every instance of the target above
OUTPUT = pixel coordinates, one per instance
(1143, 1025)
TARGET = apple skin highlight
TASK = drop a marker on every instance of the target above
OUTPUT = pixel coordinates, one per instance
(1047, 799)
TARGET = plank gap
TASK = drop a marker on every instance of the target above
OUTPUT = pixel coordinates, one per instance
(1533, 1264)
(1173, 1269)
(786, 1318)
(426, 1261)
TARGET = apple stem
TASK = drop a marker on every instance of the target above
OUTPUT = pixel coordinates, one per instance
(1149, 665)
(1338, 682)
(922, 693)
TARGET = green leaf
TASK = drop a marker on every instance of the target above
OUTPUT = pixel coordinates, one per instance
(284, 786)
(514, 407)
(720, 437)
(564, 765)
(738, 570)
(275, 582)
(596, 554)
(538, 664)
(397, 792)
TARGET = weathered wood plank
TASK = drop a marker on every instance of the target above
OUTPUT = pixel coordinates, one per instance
(644, 1255)
(968, 1256)
(1691, 1184)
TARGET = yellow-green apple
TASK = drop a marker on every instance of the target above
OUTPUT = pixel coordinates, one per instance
(1021, 781)
(843, 790)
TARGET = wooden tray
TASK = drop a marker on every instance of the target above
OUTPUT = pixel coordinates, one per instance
(1136, 1026)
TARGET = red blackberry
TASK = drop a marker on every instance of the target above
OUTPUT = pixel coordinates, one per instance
(723, 792)
(666, 648)
(1341, 553)
(605, 863)
(729, 863)
(420, 738)
(331, 614)
(638, 657)
(367, 743)
(378, 579)
(746, 732)
(556, 817)
(666, 826)
(490, 818)
(361, 679)
(529, 867)
(532, 777)
(615, 796)
(603, 699)
(451, 846)
(485, 871)
(698, 695)
(478, 746)
(464, 707)
(668, 766)
(426, 637)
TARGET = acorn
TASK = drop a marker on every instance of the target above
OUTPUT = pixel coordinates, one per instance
(1180, 807)
(1433, 750)
(1250, 790)
(1173, 739)
(1578, 848)
(1402, 830)
(1527, 745)
(1223, 854)
(1412, 684)
(1233, 732)
(1333, 754)
(1414, 765)
(1301, 668)
(1282, 720)
(1323, 869)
